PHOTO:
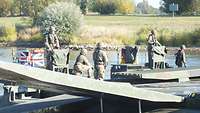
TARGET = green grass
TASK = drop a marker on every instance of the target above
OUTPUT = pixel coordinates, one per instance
(138, 27)
(23, 21)
(132, 23)
(129, 29)
(135, 23)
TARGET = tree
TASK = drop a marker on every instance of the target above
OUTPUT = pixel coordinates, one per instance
(112, 6)
(15, 8)
(143, 7)
(5, 6)
(125, 6)
(84, 6)
(185, 6)
(194, 8)
(64, 16)
(30, 8)
(105, 6)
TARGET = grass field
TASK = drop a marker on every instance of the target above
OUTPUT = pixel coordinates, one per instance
(16, 20)
(124, 29)
(134, 23)
(135, 27)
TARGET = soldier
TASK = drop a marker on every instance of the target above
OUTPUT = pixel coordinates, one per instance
(52, 41)
(180, 57)
(82, 64)
(100, 61)
(152, 41)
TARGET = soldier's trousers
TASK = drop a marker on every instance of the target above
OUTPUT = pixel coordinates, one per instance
(99, 71)
(83, 70)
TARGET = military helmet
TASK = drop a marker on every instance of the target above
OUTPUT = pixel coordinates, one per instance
(182, 47)
(83, 51)
(52, 28)
(152, 32)
(100, 45)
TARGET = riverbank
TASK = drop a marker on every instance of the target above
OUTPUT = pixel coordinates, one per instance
(91, 47)
(22, 44)
(113, 30)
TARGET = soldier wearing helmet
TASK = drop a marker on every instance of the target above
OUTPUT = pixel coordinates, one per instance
(180, 57)
(82, 65)
(100, 61)
(52, 41)
(152, 41)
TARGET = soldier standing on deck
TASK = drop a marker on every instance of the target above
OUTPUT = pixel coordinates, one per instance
(180, 57)
(51, 42)
(82, 65)
(100, 61)
(152, 41)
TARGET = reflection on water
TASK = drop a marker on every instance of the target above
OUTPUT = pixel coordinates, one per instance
(192, 59)
(6, 54)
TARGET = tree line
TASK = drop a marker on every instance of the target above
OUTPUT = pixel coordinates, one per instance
(33, 7)
(22, 7)
(186, 7)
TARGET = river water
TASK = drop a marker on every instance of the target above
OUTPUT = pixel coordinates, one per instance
(193, 60)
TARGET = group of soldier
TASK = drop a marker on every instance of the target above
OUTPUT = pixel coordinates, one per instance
(82, 65)
(180, 60)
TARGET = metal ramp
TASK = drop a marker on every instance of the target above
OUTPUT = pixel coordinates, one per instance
(182, 89)
(163, 75)
(32, 105)
(54, 81)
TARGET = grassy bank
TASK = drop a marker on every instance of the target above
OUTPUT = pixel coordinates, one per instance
(135, 29)
(18, 29)
(24, 21)
(121, 30)
(135, 23)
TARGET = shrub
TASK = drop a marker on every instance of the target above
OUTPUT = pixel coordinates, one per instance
(142, 35)
(105, 6)
(189, 38)
(37, 38)
(170, 38)
(65, 17)
(8, 33)
(166, 37)
(27, 33)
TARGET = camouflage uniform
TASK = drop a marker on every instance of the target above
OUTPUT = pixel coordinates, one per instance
(180, 57)
(82, 65)
(52, 41)
(152, 41)
(100, 61)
